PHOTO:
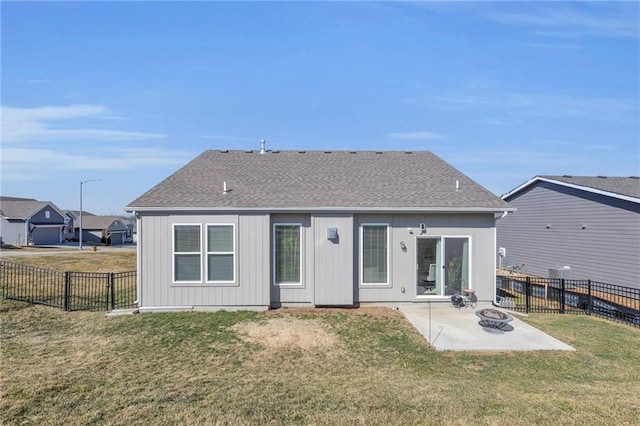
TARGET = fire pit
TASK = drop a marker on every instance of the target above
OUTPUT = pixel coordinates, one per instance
(492, 318)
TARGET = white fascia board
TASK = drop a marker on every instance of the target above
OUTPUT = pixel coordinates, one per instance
(328, 209)
(569, 185)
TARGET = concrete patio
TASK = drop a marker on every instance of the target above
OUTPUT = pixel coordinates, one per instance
(448, 328)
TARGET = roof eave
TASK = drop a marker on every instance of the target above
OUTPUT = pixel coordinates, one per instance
(328, 209)
(532, 181)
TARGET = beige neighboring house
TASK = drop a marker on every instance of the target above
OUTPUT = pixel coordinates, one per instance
(108, 230)
(249, 229)
(27, 221)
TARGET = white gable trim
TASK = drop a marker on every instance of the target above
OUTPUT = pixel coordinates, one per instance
(569, 185)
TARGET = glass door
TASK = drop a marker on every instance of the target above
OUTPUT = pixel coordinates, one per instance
(442, 265)
(429, 282)
(456, 265)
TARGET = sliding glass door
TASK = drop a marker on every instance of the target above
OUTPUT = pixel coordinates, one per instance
(442, 265)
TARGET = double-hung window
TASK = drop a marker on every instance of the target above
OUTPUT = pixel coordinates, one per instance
(220, 253)
(287, 254)
(374, 254)
(187, 254)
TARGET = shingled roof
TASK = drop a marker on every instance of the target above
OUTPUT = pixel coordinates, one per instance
(615, 184)
(627, 188)
(318, 180)
(22, 208)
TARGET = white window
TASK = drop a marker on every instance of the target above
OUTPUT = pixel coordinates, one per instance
(47, 214)
(187, 253)
(287, 253)
(221, 253)
(374, 254)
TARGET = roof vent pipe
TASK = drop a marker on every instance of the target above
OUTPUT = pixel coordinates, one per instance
(457, 185)
(263, 145)
(224, 187)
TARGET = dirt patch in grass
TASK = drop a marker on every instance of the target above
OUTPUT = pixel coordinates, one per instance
(286, 333)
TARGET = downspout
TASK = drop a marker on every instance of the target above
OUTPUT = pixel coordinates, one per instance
(138, 259)
(495, 244)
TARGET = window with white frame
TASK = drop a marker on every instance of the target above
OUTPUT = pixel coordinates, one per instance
(221, 253)
(187, 253)
(374, 254)
(287, 254)
(47, 214)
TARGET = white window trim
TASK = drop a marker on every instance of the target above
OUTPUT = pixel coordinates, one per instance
(207, 253)
(361, 256)
(173, 253)
(273, 251)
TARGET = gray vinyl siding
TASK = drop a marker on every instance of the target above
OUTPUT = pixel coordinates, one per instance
(13, 231)
(54, 217)
(251, 286)
(607, 250)
(402, 264)
(330, 270)
(333, 260)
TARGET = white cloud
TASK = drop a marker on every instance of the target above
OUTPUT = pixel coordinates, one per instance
(33, 164)
(544, 105)
(47, 124)
(609, 19)
(417, 136)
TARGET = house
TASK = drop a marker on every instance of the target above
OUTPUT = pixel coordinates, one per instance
(26, 221)
(109, 230)
(245, 229)
(578, 227)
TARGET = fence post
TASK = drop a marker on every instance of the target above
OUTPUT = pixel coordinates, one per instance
(562, 295)
(112, 288)
(588, 297)
(67, 290)
(527, 296)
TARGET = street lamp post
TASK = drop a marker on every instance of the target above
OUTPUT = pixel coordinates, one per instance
(82, 182)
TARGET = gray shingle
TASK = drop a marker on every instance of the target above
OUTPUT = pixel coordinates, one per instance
(629, 186)
(317, 179)
(16, 208)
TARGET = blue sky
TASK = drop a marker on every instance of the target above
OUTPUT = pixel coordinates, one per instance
(128, 92)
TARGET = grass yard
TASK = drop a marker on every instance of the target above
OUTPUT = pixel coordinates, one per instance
(365, 366)
(85, 261)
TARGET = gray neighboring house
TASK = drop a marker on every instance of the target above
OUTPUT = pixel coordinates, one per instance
(245, 229)
(26, 221)
(109, 230)
(575, 226)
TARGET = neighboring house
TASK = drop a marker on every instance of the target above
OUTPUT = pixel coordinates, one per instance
(109, 230)
(132, 231)
(574, 226)
(74, 219)
(236, 229)
(26, 221)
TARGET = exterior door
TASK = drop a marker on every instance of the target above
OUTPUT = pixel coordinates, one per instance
(442, 265)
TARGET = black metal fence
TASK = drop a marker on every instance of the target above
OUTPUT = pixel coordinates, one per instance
(71, 291)
(559, 295)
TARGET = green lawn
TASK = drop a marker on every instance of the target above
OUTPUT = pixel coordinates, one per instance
(302, 367)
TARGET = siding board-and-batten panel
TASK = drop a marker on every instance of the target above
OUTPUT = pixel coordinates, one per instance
(252, 257)
(607, 250)
(332, 260)
(479, 228)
